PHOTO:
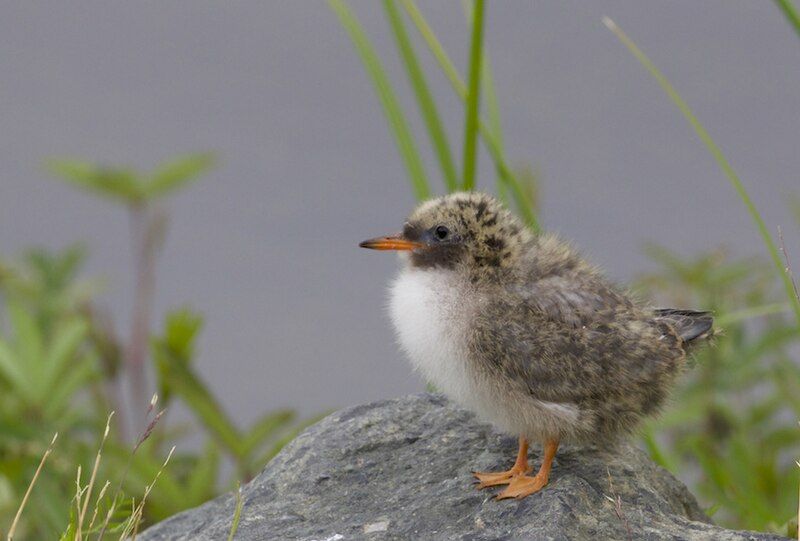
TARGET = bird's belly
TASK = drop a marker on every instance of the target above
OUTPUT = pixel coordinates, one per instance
(431, 318)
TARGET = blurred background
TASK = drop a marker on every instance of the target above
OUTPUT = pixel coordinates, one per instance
(264, 245)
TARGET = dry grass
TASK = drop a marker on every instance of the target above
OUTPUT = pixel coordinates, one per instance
(78, 529)
(24, 501)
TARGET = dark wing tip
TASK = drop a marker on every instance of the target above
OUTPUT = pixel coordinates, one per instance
(689, 324)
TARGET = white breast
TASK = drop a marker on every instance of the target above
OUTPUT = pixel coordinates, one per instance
(431, 312)
(429, 316)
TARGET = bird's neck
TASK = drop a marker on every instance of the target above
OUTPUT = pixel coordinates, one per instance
(465, 279)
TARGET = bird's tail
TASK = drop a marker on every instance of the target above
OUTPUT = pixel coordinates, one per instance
(691, 325)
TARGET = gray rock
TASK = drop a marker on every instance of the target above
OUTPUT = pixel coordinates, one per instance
(400, 469)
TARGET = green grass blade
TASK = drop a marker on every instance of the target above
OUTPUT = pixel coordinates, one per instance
(493, 115)
(427, 33)
(473, 96)
(427, 105)
(389, 102)
(750, 313)
(495, 149)
(116, 183)
(265, 428)
(490, 98)
(492, 107)
(791, 14)
(237, 513)
(655, 452)
(504, 173)
(723, 163)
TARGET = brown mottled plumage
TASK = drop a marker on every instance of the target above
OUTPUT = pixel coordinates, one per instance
(519, 328)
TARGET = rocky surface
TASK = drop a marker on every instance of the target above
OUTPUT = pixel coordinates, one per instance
(400, 469)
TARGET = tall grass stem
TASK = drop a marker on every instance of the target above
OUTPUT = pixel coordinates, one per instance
(93, 477)
(490, 98)
(493, 146)
(473, 96)
(27, 495)
(237, 513)
(427, 105)
(391, 106)
(717, 154)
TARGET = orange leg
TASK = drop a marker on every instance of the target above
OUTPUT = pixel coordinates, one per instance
(519, 469)
(522, 486)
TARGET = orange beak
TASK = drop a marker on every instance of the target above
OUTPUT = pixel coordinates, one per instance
(396, 242)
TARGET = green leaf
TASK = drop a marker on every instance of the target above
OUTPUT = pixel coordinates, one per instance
(28, 341)
(391, 106)
(12, 370)
(57, 270)
(143, 469)
(77, 378)
(204, 405)
(473, 97)
(202, 483)
(50, 505)
(63, 351)
(177, 174)
(286, 438)
(14, 432)
(655, 452)
(782, 438)
(175, 346)
(116, 183)
(751, 312)
(266, 428)
(791, 14)
(181, 329)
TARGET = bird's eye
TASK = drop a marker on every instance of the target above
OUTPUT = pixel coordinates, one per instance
(441, 232)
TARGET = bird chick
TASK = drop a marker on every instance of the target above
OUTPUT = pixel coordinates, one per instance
(518, 328)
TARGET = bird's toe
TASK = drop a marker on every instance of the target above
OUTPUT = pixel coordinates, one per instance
(520, 487)
(491, 479)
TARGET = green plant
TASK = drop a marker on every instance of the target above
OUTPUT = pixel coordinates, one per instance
(746, 492)
(508, 181)
(728, 430)
(62, 366)
(721, 160)
(140, 194)
(48, 376)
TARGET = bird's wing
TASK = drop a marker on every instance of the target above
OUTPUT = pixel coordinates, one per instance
(571, 341)
(575, 301)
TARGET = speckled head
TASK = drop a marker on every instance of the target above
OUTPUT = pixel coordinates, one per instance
(465, 231)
